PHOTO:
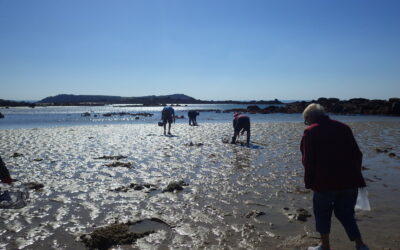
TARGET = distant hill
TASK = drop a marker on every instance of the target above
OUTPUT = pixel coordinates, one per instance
(64, 99)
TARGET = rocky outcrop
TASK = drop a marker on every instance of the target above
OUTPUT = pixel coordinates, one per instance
(127, 113)
(332, 105)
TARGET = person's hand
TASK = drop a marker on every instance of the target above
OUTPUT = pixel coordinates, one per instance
(8, 180)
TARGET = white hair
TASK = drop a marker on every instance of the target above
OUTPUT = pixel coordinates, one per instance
(313, 112)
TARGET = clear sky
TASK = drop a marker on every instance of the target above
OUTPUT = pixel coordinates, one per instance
(207, 49)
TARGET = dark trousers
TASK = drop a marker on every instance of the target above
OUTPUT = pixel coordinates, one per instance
(3, 170)
(340, 202)
(192, 120)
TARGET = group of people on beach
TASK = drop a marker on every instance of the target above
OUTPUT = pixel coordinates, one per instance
(332, 168)
(241, 123)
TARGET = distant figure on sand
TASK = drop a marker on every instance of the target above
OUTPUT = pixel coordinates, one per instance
(332, 169)
(241, 123)
(168, 115)
(192, 117)
(4, 174)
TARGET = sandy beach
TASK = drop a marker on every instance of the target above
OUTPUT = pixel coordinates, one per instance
(232, 197)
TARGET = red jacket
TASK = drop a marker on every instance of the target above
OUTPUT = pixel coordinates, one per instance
(331, 157)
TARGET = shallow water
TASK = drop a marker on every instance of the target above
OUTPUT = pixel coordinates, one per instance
(228, 186)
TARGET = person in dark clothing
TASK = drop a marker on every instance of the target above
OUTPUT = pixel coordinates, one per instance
(332, 169)
(168, 116)
(4, 174)
(192, 114)
(241, 123)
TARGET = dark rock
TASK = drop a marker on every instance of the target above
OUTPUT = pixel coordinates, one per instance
(383, 150)
(1, 115)
(106, 237)
(134, 186)
(86, 114)
(254, 214)
(34, 185)
(253, 108)
(38, 159)
(17, 155)
(235, 110)
(120, 164)
(175, 186)
(302, 214)
(394, 100)
(395, 109)
(191, 144)
(299, 214)
(392, 155)
(378, 150)
(116, 157)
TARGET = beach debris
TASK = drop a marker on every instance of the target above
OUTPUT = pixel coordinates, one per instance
(254, 214)
(225, 140)
(119, 164)
(191, 144)
(38, 159)
(386, 151)
(112, 235)
(299, 190)
(175, 186)
(136, 187)
(33, 185)
(17, 155)
(300, 214)
(111, 157)
(383, 150)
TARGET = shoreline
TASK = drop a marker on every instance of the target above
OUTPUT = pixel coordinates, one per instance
(235, 196)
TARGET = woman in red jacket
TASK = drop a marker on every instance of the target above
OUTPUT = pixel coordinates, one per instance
(332, 169)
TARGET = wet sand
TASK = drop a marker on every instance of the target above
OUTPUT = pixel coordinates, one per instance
(231, 197)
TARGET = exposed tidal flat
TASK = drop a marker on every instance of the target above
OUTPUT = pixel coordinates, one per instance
(187, 191)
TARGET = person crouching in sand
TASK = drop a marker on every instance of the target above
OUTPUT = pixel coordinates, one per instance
(332, 169)
(241, 123)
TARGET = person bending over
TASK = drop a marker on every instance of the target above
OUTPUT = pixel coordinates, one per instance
(192, 114)
(168, 116)
(241, 123)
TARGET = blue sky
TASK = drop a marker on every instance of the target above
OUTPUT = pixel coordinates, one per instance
(207, 49)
